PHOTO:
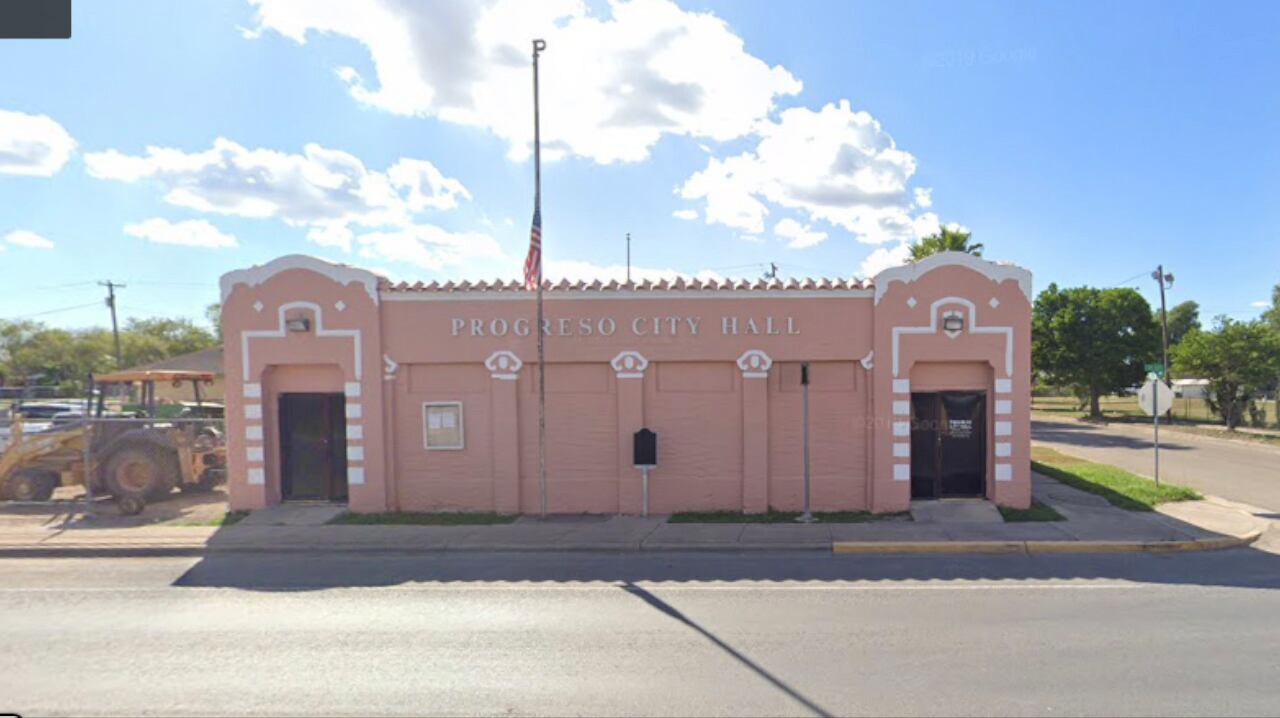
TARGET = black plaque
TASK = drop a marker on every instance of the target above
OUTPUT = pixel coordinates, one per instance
(646, 448)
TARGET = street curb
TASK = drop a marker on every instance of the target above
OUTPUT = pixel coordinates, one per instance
(1032, 547)
(844, 547)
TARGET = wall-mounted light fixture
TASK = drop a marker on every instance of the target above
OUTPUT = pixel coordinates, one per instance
(953, 323)
(298, 324)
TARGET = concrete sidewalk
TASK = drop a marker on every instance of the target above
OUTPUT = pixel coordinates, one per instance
(1092, 525)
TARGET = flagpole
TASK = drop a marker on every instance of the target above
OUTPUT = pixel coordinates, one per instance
(538, 47)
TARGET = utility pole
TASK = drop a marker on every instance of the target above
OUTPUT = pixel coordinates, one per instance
(115, 328)
(1165, 281)
(628, 259)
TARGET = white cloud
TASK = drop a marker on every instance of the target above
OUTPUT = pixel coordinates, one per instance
(882, 258)
(612, 84)
(27, 238)
(340, 202)
(1260, 304)
(924, 197)
(187, 233)
(685, 214)
(577, 270)
(34, 145)
(321, 186)
(799, 235)
(426, 186)
(429, 247)
(835, 165)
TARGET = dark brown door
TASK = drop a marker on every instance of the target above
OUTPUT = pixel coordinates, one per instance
(948, 444)
(963, 442)
(924, 445)
(313, 447)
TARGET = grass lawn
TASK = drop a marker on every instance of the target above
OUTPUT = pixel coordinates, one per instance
(412, 518)
(1126, 490)
(1037, 512)
(781, 517)
(227, 519)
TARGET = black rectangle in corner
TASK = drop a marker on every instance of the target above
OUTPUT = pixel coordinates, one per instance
(35, 19)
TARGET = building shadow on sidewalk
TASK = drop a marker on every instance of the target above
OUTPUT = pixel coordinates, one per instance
(299, 571)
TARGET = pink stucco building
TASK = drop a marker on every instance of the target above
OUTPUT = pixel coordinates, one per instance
(346, 387)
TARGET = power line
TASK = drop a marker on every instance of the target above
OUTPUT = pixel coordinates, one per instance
(148, 282)
(56, 311)
(1135, 277)
(47, 288)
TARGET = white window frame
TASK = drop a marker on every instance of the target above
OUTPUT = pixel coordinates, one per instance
(462, 431)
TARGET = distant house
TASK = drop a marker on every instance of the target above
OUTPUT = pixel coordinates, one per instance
(1191, 388)
(203, 360)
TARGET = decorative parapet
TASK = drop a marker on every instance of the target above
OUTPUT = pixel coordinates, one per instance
(339, 273)
(911, 271)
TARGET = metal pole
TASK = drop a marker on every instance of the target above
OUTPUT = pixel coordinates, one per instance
(807, 516)
(1155, 403)
(538, 47)
(115, 328)
(645, 471)
(1164, 323)
(88, 451)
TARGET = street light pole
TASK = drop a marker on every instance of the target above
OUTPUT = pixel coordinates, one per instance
(1162, 279)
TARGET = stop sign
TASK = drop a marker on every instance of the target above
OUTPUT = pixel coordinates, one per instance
(1155, 397)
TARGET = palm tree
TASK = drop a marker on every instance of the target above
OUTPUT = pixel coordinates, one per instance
(948, 240)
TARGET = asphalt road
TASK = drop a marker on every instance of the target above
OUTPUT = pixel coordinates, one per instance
(689, 634)
(1237, 470)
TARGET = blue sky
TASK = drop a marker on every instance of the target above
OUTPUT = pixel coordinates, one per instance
(1086, 141)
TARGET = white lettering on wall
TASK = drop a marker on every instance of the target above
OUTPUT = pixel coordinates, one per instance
(661, 326)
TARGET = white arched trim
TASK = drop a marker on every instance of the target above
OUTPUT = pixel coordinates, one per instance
(339, 273)
(972, 327)
(911, 271)
(503, 364)
(755, 364)
(629, 365)
(280, 331)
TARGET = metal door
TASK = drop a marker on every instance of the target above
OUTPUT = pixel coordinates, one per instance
(948, 444)
(313, 448)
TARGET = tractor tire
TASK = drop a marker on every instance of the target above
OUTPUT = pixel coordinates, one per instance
(141, 472)
(131, 505)
(206, 483)
(30, 485)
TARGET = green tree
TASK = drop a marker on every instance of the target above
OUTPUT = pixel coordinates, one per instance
(1272, 316)
(31, 352)
(149, 340)
(213, 315)
(1238, 358)
(1183, 318)
(37, 354)
(1093, 341)
(947, 240)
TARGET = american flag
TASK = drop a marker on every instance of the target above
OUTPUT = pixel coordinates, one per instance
(533, 262)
